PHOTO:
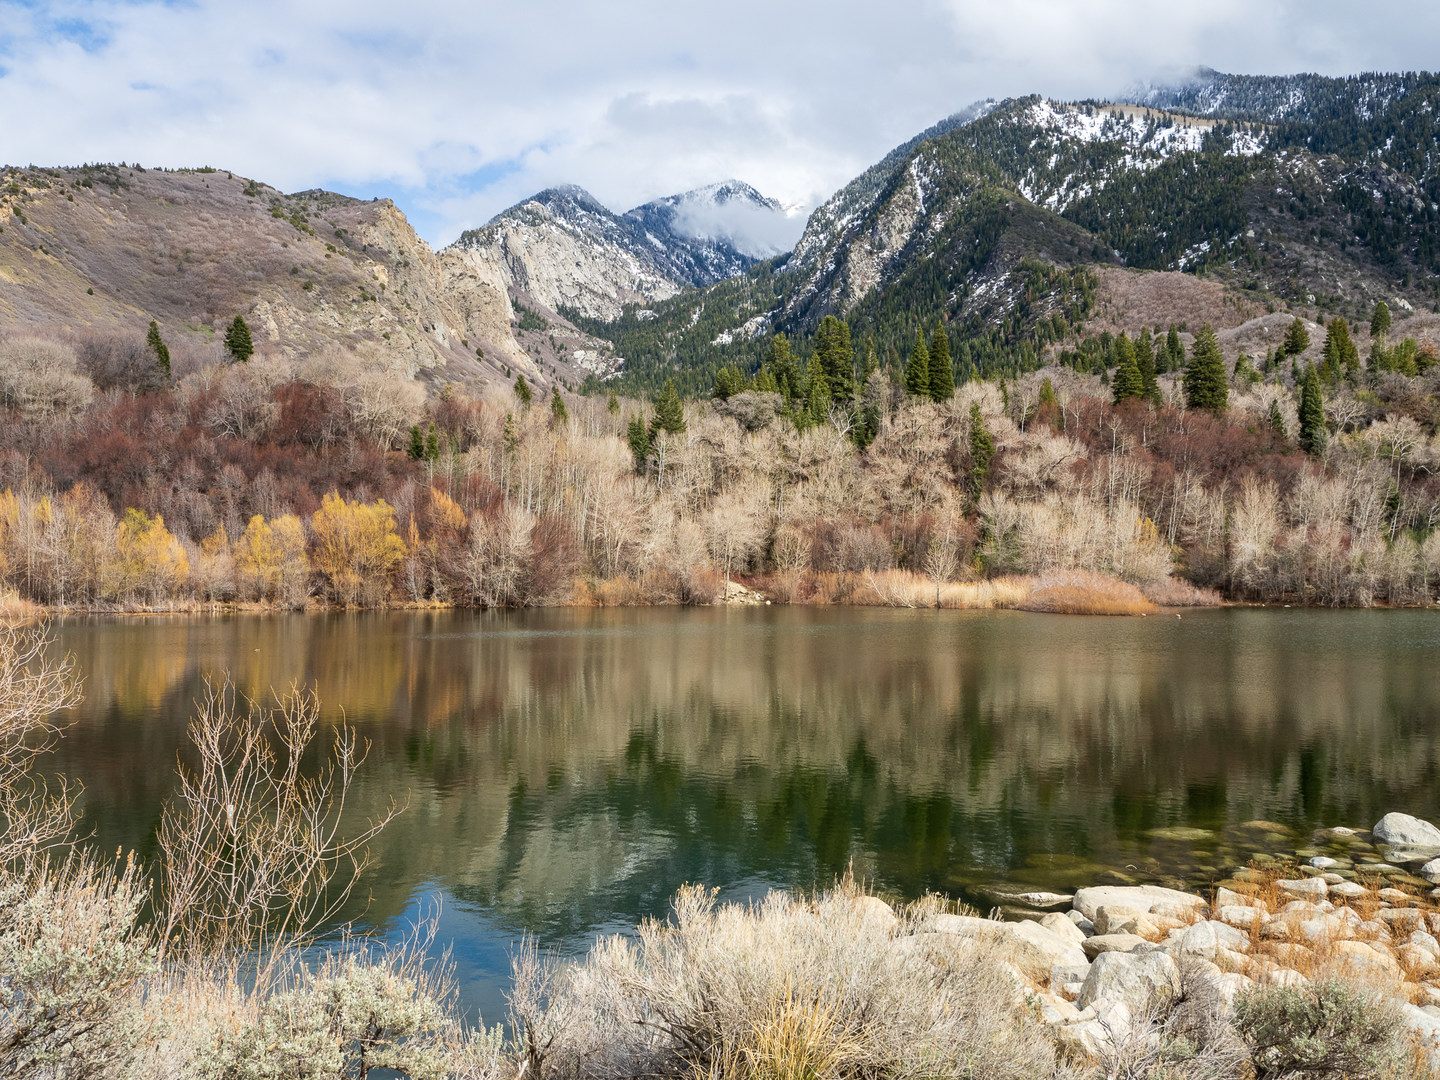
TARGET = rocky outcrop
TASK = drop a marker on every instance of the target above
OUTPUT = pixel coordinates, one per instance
(106, 249)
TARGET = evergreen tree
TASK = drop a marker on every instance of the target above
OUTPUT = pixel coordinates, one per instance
(557, 406)
(159, 348)
(729, 381)
(432, 445)
(817, 394)
(1128, 383)
(765, 382)
(942, 371)
(1174, 351)
(1312, 414)
(1340, 349)
(1205, 383)
(612, 403)
(782, 366)
(669, 412)
(1277, 421)
(1047, 393)
(982, 451)
(1380, 320)
(917, 372)
(1145, 362)
(872, 362)
(638, 436)
(522, 390)
(836, 358)
(417, 443)
(1297, 337)
(237, 341)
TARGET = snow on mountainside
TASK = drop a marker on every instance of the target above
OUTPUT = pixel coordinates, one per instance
(565, 250)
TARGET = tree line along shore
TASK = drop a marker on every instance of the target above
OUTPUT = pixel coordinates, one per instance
(1128, 474)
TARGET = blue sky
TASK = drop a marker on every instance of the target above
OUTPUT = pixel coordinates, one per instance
(457, 110)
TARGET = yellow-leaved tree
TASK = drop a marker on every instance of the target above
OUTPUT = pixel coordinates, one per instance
(356, 548)
(150, 563)
(270, 561)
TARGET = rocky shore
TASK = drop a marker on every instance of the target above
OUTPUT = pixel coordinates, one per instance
(1093, 963)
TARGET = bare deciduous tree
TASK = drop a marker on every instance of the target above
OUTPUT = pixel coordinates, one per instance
(254, 856)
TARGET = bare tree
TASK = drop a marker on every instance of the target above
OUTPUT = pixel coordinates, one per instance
(36, 815)
(253, 853)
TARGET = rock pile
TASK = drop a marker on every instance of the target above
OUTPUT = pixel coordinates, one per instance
(1093, 969)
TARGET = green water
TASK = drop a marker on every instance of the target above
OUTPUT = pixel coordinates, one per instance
(567, 770)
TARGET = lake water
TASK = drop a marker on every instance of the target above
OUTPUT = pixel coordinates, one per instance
(567, 770)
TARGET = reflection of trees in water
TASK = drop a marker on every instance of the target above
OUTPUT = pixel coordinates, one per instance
(566, 766)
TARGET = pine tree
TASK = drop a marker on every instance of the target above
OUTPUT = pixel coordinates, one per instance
(1380, 320)
(1312, 414)
(817, 394)
(982, 451)
(872, 362)
(1340, 350)
(159, 348)
(729, 381)
(765, 382)
(1128, 383)
(1297, 337)
(1047, 393)
(942, 370)
(836, 357)
(638, 436)
(1205, 383)
(612, 403)
(522, 390)
(669, 412)
(1145, 362)
(237, 341)
(1277, 421)
(783, 368)
(917, 372)
(417, 443)
(1174, 351)
(432, 445)
(557, 406)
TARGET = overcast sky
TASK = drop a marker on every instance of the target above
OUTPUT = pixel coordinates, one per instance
(457, 110)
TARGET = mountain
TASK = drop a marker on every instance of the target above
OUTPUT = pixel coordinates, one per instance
(104, 249)
(565, 251)
(1314, 192)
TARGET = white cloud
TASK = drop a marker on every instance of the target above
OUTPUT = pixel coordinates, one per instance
(461, 109)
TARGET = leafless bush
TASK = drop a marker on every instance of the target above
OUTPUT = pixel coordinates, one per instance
(253, 855)
(35, 815)
(38, 377)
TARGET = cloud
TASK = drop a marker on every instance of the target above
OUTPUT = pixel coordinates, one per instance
(459, 109)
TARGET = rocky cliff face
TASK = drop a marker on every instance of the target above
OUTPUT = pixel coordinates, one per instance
(563, 250)
(106, 249)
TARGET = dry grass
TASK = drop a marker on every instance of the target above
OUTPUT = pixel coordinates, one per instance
(14, 608)
(1079, 592)
(1173, 592)
(1288, 940)
(785, 989)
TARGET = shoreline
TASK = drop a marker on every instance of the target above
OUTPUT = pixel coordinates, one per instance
(1361, 909)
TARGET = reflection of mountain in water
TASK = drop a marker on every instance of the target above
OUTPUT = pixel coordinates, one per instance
(569, 769)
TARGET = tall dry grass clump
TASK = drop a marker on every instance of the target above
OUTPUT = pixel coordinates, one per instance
(1080, 592)
(825, 987)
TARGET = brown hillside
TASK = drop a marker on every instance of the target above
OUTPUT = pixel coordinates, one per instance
(104, 249)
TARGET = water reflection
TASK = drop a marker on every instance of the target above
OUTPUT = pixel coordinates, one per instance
(567, 770)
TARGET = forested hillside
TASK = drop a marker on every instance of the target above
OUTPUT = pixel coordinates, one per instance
(1313, 194)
